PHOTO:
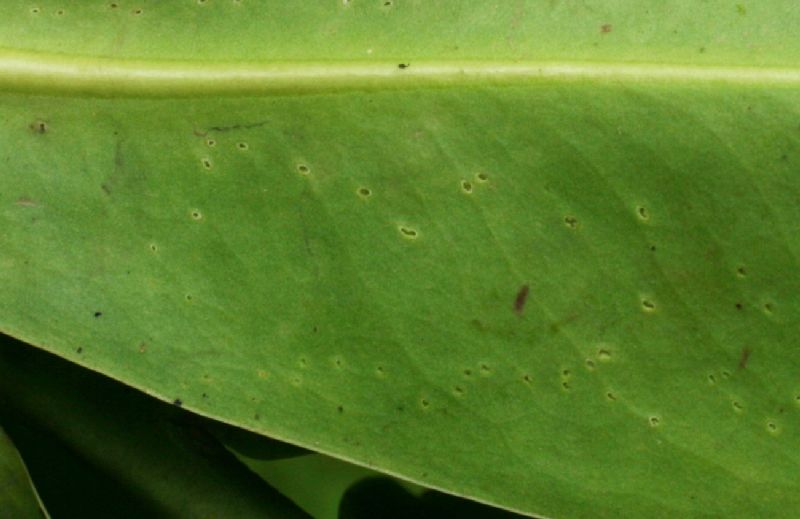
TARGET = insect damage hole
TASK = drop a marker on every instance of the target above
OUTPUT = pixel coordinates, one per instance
(648, 305)
(741, 272)
(364, 192)
(571, 222)
(206, 163)
(197, 215)
(39, 127)
(466, 186)
(303, 169)
(482, 177)
(243, 146)
(604, 355)
(408, 232)
(654, 421)
(642, 212)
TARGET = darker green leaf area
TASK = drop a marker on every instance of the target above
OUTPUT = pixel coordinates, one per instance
(97, 448)
(387, 499)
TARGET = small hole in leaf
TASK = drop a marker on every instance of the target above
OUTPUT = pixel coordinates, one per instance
(604, 355)
(590, 364)
(768, 308)
(565, 373)
(772, 427)
(39, 127)
(565, 385)
(425, 403)
(527, 379)
(611, 396)
(211, 143)
(303, 169)
(207, 163)
(153, 247)
(408, 232)
(243, 146)
(482, 177)
(458, 391)
(466, 186)
(655, 421)
(197, 215)
(35, 10)
(137, 12)
(571, 222)
(364, 192)
(712, 379)
(725, 374)
(643, 213)
(648, 305)
(741, 272)
(737, 406)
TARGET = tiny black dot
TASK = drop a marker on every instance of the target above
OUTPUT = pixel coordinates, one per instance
(402, 65)
(98, 314)
(340, 409)
(178, 402)
(79, 350)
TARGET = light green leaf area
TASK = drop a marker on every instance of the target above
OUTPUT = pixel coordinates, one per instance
(564, 291)
(17, 496)
(315, 482)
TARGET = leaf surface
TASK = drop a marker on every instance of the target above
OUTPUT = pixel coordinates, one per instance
(17, 495)
(540, 254)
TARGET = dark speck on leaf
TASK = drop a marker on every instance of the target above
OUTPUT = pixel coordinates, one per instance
(738, 306)
(744, 358)
(79, 350)
(178, 402)
(98, 314)
(606, 28)
(403, 65)
(522, 297)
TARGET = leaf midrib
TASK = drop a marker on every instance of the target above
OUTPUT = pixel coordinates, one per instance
(50, 73)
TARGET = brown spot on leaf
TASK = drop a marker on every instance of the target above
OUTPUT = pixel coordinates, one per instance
(744, 358)
(39, 127)
(522, 297)
(606, 28)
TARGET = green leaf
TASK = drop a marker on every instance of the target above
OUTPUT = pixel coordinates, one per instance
(315, 482)
(540, 254)
(18, 498)
(100, 449)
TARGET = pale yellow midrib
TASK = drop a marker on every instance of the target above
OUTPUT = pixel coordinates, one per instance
(103, 76)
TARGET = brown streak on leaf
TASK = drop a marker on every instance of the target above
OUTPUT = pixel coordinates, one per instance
(522, 297)
(744, 358)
